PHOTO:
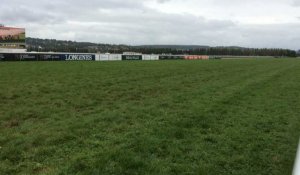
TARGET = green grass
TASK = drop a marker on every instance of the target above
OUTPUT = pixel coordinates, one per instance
(238, 117)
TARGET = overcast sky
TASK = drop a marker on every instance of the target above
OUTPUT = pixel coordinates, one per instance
(248, 23)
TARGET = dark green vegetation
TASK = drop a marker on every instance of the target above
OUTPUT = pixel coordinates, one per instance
(46, 45)
(236, 117)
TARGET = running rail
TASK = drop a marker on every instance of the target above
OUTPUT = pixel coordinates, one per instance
(297, 163)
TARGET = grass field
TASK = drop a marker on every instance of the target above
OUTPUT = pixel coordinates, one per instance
(239, 117)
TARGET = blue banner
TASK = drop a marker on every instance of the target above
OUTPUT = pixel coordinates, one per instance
(46, 57)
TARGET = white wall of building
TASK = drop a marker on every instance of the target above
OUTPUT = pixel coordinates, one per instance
(5, 50)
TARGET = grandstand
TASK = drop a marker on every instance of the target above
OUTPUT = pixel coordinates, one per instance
(12, 40)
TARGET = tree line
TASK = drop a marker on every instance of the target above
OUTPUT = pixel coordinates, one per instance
(51, 45)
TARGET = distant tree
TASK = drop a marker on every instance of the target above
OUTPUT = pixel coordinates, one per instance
(47, 45)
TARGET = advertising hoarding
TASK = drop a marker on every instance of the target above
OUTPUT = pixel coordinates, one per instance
(132, 57)
(108, 57)
(78, 57)
(104, 57)
(171, 57)
(196, 57)
(115, 57)
(150, 57)
(46, 57)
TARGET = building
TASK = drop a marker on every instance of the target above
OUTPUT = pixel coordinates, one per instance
(12, 39)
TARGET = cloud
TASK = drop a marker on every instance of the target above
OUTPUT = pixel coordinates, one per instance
(163, 1)
(296, 2)
(26, 15)
(151, 22)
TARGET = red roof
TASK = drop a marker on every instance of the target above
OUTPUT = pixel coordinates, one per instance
(8, 28)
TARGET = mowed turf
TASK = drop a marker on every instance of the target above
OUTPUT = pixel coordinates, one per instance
(239, 117)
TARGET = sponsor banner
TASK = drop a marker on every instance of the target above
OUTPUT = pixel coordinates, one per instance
(108, 57)
(146, 57)
(196, 57)
(9, 57)
(154, 57)
(97, 57)
(171, 57)
(115, 57)
(104, 57)
(2, 57)
(28, 57)
(79, 57)
(132, 57)
(51, 57)
(46, 57)
(150, 57)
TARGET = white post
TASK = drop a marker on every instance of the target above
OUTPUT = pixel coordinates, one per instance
(297, 163)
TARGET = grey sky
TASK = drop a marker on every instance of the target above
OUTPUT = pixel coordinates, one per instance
(249, 23)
